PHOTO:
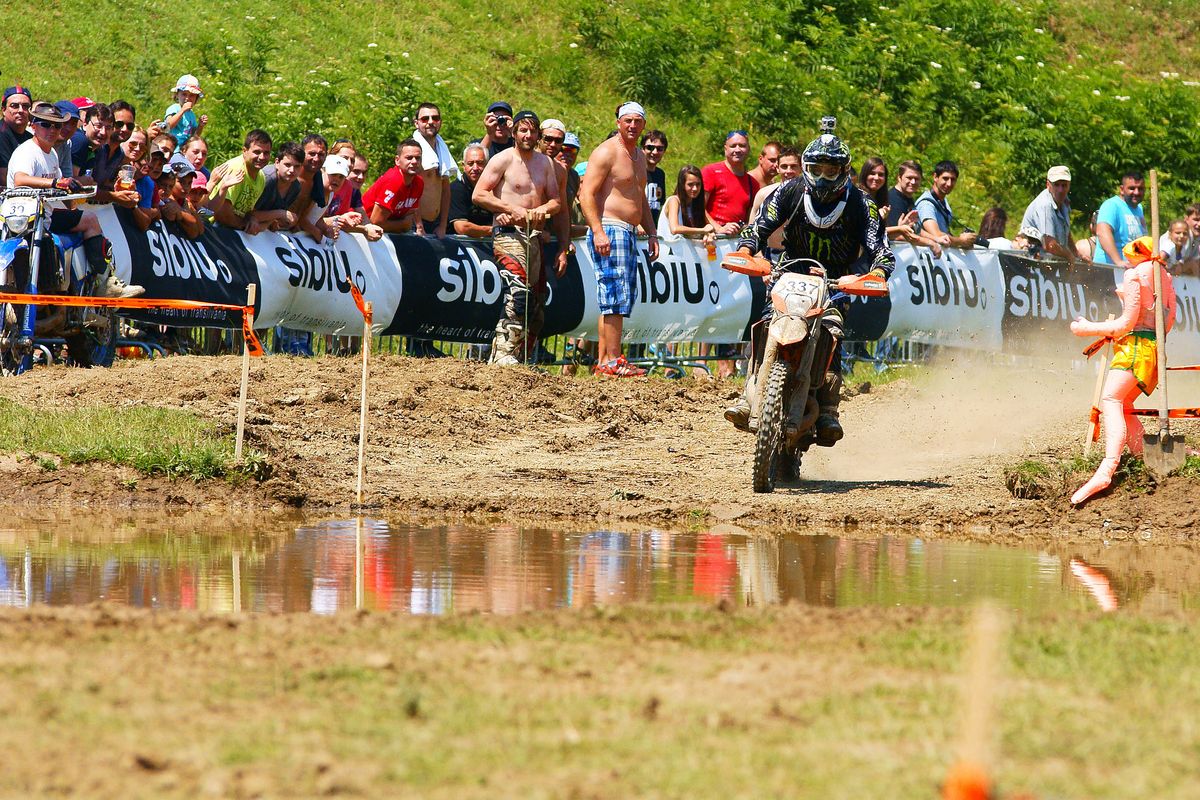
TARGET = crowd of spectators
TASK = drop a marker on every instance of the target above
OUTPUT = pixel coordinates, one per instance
(160, 171)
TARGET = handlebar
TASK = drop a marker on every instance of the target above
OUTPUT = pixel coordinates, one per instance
(61, 195)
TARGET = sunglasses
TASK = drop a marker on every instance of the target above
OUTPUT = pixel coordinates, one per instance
(434, 118)
(553, 139)
(655, 148)
(124, 126)
(45, 124)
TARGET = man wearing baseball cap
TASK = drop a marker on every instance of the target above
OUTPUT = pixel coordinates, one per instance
(35, 165)
(498, 124)
(1050, 213)
(15, 129)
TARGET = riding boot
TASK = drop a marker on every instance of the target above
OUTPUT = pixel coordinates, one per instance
(829, 396)
(98, 265)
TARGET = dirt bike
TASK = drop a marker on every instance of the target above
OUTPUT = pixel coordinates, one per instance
(33, 261)
(800, 344)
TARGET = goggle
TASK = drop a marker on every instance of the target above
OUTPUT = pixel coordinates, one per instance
(818, 171)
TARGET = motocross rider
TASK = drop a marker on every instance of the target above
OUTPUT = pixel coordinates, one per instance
(826, 218)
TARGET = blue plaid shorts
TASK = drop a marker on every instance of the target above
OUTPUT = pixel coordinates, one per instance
(616, 273)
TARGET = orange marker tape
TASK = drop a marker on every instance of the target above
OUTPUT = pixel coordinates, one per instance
(247, 312)
(1095, 346)
(1188, 368)
(1174, 413)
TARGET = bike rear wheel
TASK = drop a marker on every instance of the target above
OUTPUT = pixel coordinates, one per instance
(769, 438)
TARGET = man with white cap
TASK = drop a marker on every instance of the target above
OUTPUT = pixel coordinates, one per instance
(1050, 213)
(554, 134)
(613, 197)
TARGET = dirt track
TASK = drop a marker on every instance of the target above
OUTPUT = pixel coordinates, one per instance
(457, 438)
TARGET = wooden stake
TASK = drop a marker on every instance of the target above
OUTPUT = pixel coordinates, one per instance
(359, 561)
(241, 416)
(362, 403)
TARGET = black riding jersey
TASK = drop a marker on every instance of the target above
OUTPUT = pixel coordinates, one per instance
(857, 232)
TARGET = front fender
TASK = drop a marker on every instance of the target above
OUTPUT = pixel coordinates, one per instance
(788, 329)
(9, 249)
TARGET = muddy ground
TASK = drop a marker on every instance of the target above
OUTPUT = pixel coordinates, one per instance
(464, 439)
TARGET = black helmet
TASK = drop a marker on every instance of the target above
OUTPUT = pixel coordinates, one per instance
(826, 185)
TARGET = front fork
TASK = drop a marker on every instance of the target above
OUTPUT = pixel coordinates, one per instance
(24, 343)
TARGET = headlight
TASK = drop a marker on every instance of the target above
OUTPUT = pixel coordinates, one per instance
(17, 224)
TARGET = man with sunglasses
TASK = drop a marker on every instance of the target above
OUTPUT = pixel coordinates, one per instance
(437, 170)
(553, 134)
(825, 218)
(15, 129)
(654, 145)
(35, 164)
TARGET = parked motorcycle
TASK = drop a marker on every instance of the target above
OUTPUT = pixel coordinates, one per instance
(33, 261)
(801, 337)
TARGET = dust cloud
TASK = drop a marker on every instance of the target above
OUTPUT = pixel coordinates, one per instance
(962, 409)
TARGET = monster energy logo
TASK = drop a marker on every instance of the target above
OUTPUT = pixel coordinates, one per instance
(819, 247)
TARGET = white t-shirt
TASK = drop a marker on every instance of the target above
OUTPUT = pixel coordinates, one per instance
(30, 159)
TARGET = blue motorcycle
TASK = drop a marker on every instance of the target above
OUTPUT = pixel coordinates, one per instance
(34, 261)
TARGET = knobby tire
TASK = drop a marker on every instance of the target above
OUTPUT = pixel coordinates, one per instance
(770, 428)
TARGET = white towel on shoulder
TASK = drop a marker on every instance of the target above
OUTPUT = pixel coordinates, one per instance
(438, 157)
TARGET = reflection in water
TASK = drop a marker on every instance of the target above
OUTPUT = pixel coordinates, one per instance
(366, 563)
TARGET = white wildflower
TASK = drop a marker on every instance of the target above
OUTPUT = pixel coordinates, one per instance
(324, 83)
(1038, 30)
(372, 44)
(1040, 64)
(573, 45)
(1020, 58)
(976, 85)
(301, 103)
(1121, 97)
(935, 65)
(1050, 125)
(250, 18)
(405, 54)
(1096, 92)
(1126, 133)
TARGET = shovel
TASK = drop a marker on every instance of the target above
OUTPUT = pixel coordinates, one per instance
(1163, 452)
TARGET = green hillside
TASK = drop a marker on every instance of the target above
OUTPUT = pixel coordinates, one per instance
(1005, 88)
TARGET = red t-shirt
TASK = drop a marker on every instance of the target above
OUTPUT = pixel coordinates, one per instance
(727, 197)
(391, 193)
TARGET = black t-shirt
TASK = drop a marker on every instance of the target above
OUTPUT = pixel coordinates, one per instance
(656, 189)
(461, 206)
(898, 206)
(103, 167)
(498, 147)
(271, 199)
(9, 141)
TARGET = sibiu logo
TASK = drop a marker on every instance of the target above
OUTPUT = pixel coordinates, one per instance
(934, 283)
(1046, 298)
(469, 279)
(318, 268)
(176, 257)
(671, 281)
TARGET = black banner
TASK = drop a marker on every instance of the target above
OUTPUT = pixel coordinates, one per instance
(457, 294)
(1042, 297)
(215, 268)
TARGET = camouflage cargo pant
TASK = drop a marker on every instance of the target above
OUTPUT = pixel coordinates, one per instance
(520, 262)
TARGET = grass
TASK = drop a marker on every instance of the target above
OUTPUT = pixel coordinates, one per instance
(153, 441)
(926, 78)
(632, 702)
(1053, 477)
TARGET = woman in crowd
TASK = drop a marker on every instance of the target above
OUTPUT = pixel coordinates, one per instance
(1086, 248)
(683, 214)
(993, 227)
(195, 150)
(873, 180)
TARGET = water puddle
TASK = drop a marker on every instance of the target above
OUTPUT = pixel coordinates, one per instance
(333, 566)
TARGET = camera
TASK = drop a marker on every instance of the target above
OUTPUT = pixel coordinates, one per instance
(503, 121)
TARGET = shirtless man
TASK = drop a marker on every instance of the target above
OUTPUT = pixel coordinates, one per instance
(520, 187)
(434, 213)
(613, 198)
